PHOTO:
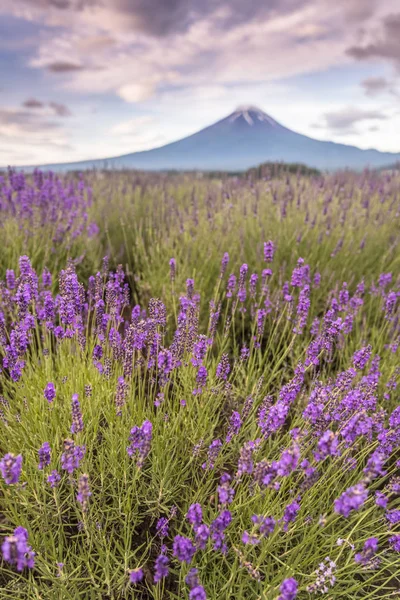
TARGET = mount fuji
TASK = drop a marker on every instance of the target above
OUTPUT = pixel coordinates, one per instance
(243, 139)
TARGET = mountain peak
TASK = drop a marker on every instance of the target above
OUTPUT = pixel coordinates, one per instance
(251, 114)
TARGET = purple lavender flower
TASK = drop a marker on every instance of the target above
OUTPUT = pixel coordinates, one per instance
(16, 550)
(120, 395)
(192, 579)
(299, 274)
(199, 350)
(225, 491)
(10, 279)
(290, 513)
(201, 380)
(393, 516)
(245, 462)
(369, 550)
(287, 462)
(242, 283)
(235, 423)
(197, 593)
(172, 269)
(361, 357)
(162, 527)
(97, 352)
(213, 451)
(72, 456)
(288, 589)
(44, 455)
(183, 549)
(77, 421)
(161, 568)
(269, 251)
(54, 478)
(223, 368)
(231, 286)
(10, 467)
(218, 527)
(224, 264)
(381, 500)
(140, 442)
(264, 527)
(190, 288)
(394, 541)
(50, 392)
(352, 499)
(84, 492)
(327, 446)
(253, 284)
(136, 575)
(195, 515)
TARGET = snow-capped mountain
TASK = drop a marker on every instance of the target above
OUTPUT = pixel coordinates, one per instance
(244, 139)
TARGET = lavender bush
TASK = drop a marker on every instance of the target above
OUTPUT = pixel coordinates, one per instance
(218, 415)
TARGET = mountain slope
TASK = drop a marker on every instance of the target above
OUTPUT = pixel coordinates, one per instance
(245, 138)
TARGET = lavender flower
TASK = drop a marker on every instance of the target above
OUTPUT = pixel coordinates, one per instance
(161, 568)
(195, 515)
(213, 451)
(183, 549)
(368, 552)
(361, 357)
(290, 513)
(288, 589)
(44, 455)
(225, 491)
(352, 499)
(223, 368)
(172, 269)
(54, 478)
(218, 527)
(10, 467)
(140, 442)
(77, 421)
(224, 264)
(394, 541)
(162, 527)
(84, 492)
(235, 424)
(136, 575)
(269, 251)
(72, 456)
(50, 392)
(16, 550)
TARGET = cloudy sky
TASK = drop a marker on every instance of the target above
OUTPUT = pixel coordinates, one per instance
(96, 78)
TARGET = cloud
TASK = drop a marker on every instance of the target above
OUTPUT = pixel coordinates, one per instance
(343, 121)
(375, 85)
(12, 119)
(62, 67)
(387, 46)
(33, 103)
(60, 109)
(136, 92)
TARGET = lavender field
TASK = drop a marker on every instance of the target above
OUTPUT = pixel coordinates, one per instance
(199, 386)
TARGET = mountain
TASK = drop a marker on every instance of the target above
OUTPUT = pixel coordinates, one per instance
(244, 139)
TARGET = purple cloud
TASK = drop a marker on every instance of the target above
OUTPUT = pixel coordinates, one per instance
(63, 67)
(386, 47)
(343, 120)
(33, 103)
(60, 109)
(375, 85)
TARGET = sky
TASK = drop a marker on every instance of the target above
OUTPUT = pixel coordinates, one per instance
(84, 79)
